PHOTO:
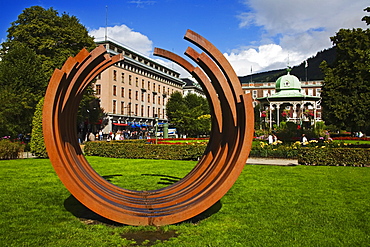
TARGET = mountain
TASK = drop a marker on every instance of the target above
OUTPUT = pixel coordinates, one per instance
(314, 72)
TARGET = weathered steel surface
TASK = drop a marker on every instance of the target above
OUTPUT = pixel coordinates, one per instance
(211, 178)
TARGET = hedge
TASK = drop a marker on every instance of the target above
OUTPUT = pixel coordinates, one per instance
(10, 150)
(334, 156)
(37, 143)
(137, 150)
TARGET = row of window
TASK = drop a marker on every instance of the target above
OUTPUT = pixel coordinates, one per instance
(127, 110)
(151, 98)
(153, 87)
(307, 91)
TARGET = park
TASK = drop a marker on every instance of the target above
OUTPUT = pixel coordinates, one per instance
(181, 191)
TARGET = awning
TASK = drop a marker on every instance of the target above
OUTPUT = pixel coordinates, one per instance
(120, 124)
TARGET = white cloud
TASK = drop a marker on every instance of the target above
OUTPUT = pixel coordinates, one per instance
(298, 28)
(263, 58)
(125, 36)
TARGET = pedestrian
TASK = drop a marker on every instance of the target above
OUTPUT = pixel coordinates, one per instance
(304, 140)
(270, 139)
(100, 135)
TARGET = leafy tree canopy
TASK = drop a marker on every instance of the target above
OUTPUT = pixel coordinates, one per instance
(22, 84)
(189, 114)
(39, 41)
(346, 89)
(52, 36)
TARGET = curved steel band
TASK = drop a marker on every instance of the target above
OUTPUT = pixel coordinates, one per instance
(218, 169)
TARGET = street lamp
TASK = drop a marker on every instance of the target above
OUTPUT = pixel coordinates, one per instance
(156, 128)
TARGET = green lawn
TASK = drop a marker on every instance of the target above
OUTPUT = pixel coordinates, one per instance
(268, 206)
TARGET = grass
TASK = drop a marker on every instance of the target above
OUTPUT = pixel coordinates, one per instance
(267, 206)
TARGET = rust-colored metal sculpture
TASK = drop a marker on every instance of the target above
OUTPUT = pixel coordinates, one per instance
(218, 169)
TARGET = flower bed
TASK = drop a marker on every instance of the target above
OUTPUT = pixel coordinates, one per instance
(350, 138)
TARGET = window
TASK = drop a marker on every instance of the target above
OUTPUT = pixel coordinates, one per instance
(129, 93)
(153, 99)
(148, 85)
(164, 112)
(122, 108)
(247, 91)
(318, 92)
(254, 94)
(98, 89)
(123, 77)
(114, 106)
(153, 111)
(137, 82)
(265, 93)
(153, 86)
(159, 88)
(142, 83)
(142, 111)
(148, 98)
(114, 90)
(137, 95)
(159, 100)
(136, 109)
(114, 75)
(148, 111)
(142, 96)
(272, 91)
(310, 92)
(122, 92)
(129, 79)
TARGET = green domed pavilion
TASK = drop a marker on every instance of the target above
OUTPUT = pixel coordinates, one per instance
(289, 94)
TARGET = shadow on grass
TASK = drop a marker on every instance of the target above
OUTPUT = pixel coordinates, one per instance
(165, 179)
(87, 216)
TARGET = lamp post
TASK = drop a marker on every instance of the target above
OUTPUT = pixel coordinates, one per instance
(156, 128)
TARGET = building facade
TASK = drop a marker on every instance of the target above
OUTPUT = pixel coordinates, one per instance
(134, 92)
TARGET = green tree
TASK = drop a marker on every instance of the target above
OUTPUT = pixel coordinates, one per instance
(37, 144)
(190, 115)
(39, 41)
(53, 37)
(22, 84)
(366, 18)
(346, 89)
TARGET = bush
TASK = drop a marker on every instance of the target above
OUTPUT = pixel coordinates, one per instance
(132, 150)
(10, 150)
(37, 143)
(262, 149)
(334, 156)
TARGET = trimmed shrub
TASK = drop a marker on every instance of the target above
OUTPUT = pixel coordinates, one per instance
(334, 156)
(144, 151)
(37, 143)
(10, 150)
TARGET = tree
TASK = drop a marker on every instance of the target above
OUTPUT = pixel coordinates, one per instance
(22, 84)
(190, 115)
(366, 18)
(38, 41)
(346, 89)
(51, 36)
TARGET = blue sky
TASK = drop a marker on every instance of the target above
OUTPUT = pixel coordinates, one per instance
(257, 34)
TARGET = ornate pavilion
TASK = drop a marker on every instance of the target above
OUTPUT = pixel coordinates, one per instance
(289, 103)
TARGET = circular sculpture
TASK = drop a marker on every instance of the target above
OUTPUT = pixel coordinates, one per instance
(218, 169)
